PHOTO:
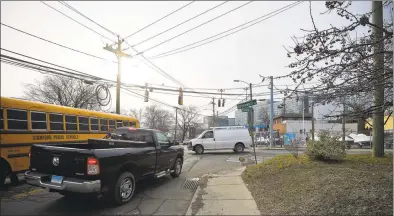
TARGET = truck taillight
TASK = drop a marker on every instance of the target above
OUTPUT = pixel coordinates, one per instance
(93, 166)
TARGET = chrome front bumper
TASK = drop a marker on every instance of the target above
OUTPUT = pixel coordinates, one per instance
(68, 184)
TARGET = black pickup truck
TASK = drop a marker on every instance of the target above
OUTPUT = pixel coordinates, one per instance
(106, 167)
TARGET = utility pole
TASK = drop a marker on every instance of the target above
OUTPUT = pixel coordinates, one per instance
(119, 54)
(313, 120)
(378, 90)
(218, 119)
(251, 123)
(343, 120)
(271, 109)
(213, 112)
(176, 121)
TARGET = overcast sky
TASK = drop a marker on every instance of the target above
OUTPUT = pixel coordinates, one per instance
(243, 55)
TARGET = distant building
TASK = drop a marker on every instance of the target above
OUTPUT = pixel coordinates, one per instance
(220, 121)
(231, 121)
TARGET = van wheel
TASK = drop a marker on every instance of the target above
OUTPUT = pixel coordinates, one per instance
(124, 189)
(177, 168)
(239, 148)
(199, 149)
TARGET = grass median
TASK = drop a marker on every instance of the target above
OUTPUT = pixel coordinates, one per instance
(288, 185)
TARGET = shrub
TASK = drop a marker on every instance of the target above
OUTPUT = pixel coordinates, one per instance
(328, 148)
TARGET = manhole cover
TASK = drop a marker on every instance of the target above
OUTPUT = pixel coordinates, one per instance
(191, 183)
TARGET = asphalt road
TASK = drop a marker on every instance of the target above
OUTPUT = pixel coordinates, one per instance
(165, 196)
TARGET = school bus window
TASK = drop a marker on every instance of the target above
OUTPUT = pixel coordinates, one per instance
(133, 124)
(104, 124)
(38, 120)
(56, 121)
(119, 123)
(71, 122)
(125, 123)
(17, 119)
(1, 119)
(83, 123)
(94, 124)
(112, 124)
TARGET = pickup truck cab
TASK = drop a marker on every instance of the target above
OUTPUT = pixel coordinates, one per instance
(107, 167)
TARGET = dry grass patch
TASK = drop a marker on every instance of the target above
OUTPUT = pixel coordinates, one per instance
(359, 185)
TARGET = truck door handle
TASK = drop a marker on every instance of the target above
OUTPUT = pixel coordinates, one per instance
(213, 139)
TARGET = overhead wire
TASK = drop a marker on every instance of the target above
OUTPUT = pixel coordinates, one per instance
(179, 24)
(78, 22)
(187, 31)
(159, 20)
(83, 15)
(63, 46)
(257, 20)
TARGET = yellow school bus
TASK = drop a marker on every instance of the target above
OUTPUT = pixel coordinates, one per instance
(23, 123)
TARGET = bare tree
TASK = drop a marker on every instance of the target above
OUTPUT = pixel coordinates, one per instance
(137, 113)
(157, 118)
(345, 62)
(64, 91)
(187, 117)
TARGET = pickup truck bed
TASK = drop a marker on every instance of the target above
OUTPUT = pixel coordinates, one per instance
(102, 165)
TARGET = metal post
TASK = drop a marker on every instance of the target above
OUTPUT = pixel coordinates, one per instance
(213, 112)
(118, 80)
(251, 123)
(271, 110)
(176, 121)
(313, 121)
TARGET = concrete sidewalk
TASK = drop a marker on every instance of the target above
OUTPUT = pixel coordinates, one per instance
(223, 194)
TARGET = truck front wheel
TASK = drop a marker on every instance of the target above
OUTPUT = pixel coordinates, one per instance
(124, 189)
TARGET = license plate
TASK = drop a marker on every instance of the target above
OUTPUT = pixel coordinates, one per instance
(57, 179)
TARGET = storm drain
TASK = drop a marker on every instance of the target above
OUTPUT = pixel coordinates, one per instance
(191, 183)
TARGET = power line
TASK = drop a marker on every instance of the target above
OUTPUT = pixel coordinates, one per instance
(204, 23)
(77, 21)
(159, 19)
(75, 10)
(271, 14)
(162, 102)
(79, 72)
(204, 12)
(63, 46)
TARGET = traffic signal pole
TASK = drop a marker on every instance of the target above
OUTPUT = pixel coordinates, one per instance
(251, 123)
(271, 109)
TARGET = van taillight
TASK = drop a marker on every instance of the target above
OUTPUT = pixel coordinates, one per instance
(93, 166)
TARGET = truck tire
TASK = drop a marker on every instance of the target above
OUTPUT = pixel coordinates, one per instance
(4, 172)
(239, 147)
(199, 149)
(177, 168)
(124, 189)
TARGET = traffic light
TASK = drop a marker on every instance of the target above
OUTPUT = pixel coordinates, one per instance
(218, 102)
(223, 102)
(146, 98)
(180, 97)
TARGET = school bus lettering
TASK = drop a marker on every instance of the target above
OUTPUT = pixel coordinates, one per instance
(57, 137)
(71, 136)
(42, 137)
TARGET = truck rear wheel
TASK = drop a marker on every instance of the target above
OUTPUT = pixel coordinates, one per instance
(177, 168)
(124, 189)
(4, 172)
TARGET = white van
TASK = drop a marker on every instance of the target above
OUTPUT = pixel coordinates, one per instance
(236, 138)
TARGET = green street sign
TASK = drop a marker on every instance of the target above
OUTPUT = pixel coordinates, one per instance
(246, 104)
(247, 109)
